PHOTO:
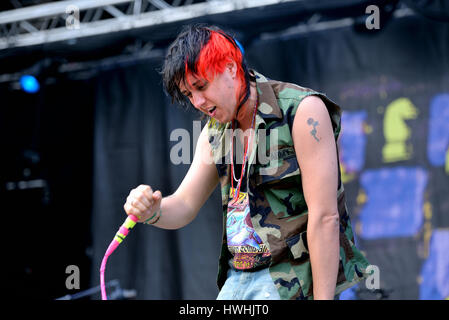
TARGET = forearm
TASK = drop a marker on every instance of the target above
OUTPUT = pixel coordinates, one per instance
(324, 250)
(174, 213)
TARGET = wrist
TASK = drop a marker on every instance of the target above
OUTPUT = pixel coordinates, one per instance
(154, 218)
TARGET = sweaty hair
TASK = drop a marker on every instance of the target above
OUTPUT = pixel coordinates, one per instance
(202, 51)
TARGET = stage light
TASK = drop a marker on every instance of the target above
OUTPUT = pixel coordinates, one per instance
(29, 84)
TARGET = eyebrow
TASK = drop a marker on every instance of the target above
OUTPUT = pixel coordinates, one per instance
(193, 85)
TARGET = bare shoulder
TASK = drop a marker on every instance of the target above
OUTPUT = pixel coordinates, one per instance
(312, 121)
(312, 105)
(315, 147)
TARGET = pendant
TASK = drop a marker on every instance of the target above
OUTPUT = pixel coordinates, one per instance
(231, 192)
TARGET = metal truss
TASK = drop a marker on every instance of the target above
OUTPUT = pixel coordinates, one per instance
(69, 20)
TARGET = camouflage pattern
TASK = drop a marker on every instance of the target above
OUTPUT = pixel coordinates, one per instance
(277, 206)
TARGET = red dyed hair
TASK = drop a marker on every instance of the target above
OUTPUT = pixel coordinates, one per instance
(214, 57)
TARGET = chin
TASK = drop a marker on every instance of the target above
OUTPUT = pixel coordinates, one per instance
(224, 121)
(221, 119)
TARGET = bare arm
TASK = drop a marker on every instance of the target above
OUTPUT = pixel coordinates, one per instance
(180, 208)
(315, 148)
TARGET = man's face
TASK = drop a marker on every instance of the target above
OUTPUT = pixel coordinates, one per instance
(216, 98)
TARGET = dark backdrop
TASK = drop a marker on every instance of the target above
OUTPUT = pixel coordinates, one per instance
(95, 135)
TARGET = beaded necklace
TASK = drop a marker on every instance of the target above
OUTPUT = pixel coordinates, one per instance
(236, 193)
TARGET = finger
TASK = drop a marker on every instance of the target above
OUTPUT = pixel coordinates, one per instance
(139, 196)
(143, 196)
(145, 188)
(148, 192)
(138, 205)
(144, 200)
(157, 195)
(125, 207)
(130, 210)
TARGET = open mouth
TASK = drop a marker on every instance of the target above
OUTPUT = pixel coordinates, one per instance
(212, 111)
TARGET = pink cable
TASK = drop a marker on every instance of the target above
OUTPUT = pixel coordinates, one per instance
(129, 223)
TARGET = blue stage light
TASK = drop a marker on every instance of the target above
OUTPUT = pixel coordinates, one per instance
(29, 84)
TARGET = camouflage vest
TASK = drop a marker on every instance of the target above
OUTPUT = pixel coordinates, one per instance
(277, 206)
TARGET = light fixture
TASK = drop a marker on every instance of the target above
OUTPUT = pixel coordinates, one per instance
(29, 83)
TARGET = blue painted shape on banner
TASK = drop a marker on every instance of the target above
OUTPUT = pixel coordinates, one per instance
(353, 141)
(394, 206)
(438, 138)
(435, 271)
(349, 294)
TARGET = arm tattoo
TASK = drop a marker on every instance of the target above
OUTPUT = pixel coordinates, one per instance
(314, 124)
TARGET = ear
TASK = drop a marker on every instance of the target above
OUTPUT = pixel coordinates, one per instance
(231, 66)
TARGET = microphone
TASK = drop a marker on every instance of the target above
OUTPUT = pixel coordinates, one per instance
(121, 234)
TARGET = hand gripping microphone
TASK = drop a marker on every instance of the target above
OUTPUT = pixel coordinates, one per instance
(121, 234)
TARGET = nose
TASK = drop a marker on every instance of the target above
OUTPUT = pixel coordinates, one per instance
(198, 100)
